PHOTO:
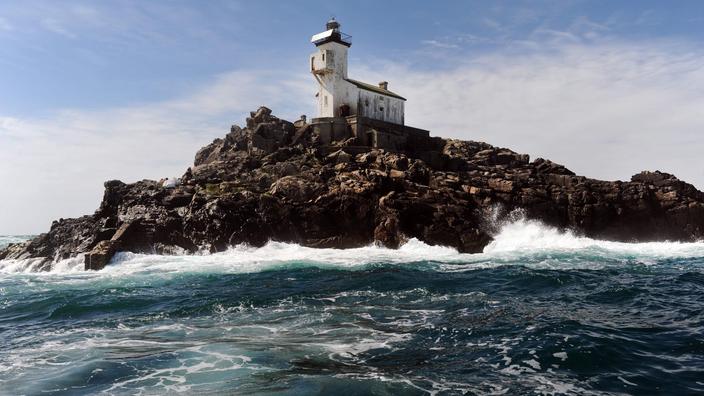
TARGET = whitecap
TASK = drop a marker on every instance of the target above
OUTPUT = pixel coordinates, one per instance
(518, 242)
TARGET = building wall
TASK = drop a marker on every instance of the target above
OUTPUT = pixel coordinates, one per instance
(331, 129)
(334, 90)
(380, 107)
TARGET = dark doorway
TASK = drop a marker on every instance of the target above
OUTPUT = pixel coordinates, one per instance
(344, 110)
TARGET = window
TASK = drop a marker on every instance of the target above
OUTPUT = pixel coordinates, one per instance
(326, 100)
(323, 57)
(312, 63)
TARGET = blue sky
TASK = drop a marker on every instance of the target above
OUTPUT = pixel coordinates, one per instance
(87, 54)
(91, 91)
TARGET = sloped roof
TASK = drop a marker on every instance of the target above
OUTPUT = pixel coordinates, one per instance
(331, 35)
(321, 36)
(374, 88)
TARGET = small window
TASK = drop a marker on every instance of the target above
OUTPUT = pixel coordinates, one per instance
(312, 63)
(326, 100)
(381, 108)
(366, 102)
(323, 57)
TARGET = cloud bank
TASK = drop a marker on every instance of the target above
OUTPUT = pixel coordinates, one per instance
(604, 110)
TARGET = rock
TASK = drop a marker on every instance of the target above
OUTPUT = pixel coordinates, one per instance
(397, 174)
(177, 198)
(209, 153)
(100, 255)
(293, 188)
(339, 157)
(651, 177)
(549, 167)
(501, 185)
(275, 181)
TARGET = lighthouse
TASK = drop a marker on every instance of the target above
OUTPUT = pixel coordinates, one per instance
(351, 113)
(340, 96)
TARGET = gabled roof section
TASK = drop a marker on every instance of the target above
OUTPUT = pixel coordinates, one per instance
(374, 88)
(321, 36)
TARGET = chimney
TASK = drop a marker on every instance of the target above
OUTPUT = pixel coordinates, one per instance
(384, 85)
(303, 118)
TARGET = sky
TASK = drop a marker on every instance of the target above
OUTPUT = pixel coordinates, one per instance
(93, 91)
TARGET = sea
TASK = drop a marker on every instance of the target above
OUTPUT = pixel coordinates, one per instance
(539, 312)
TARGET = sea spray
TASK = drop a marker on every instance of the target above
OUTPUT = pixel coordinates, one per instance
(524, 236)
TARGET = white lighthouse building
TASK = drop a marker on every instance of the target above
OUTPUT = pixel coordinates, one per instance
(340, 96)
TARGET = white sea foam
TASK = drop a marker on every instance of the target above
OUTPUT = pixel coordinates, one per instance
(530, 236)
(560, 355)
(524, 242)
(246, 259)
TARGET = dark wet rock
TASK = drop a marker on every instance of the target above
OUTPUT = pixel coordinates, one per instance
(100, 255)
(273, 180)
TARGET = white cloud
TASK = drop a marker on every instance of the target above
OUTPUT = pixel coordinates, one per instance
(556, 35)
(439, 44)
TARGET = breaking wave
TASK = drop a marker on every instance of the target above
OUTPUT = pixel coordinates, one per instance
(519, 242)
(530, 236)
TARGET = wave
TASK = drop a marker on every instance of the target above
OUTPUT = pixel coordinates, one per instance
(520, 241)
(524, 236)
(246, 259)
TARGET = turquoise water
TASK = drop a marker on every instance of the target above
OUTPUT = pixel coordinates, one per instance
(8, 239)
(539, 312)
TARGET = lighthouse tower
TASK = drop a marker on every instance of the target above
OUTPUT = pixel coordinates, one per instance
(329, 67)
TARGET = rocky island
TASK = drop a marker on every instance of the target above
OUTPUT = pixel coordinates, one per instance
(297, 182)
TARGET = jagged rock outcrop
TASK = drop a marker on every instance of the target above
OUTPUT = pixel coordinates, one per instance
(273, 180)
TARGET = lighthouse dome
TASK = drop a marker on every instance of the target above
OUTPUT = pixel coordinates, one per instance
(332, 24)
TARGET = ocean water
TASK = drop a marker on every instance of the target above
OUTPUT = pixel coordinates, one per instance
(539, 312)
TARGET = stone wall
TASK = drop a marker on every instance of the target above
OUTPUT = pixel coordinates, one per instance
(374, 133)
(331, 129)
